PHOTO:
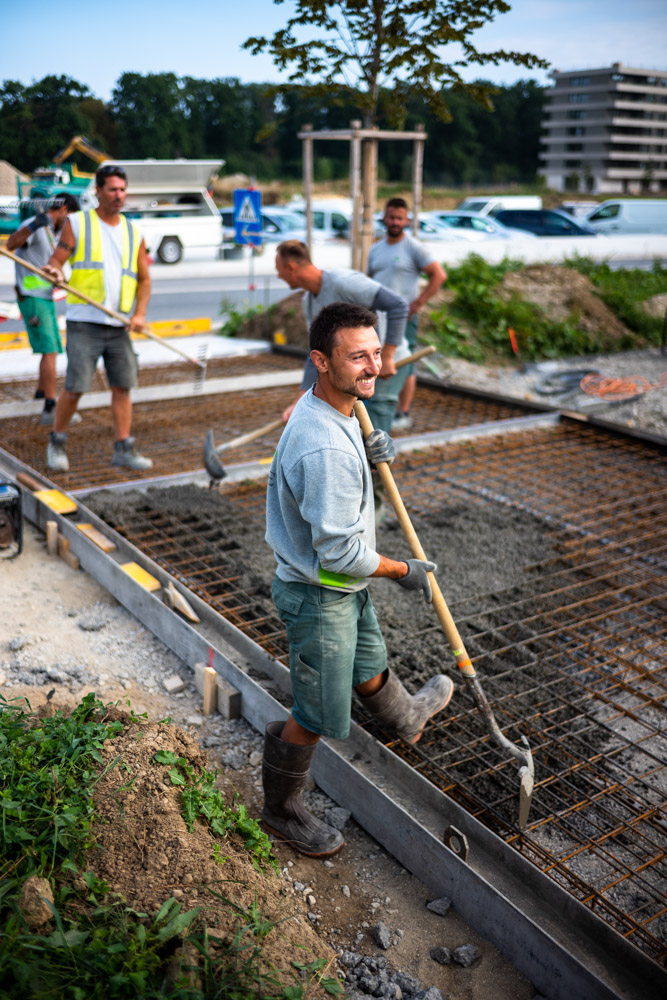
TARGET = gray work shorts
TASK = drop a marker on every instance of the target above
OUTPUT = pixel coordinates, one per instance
(86, 343)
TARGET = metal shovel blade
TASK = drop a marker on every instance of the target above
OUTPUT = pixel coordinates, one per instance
(212, 463)
(527, 775)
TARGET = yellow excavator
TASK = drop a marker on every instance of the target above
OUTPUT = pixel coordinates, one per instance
(79, 144)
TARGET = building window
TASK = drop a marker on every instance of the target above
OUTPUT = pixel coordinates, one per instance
(580, 81)
(576, 130)
(578, 98)
(572, 164)
(577, 114)
(617, 77)
(574, 147)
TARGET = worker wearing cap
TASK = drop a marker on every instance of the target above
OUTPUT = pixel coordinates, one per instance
(397, 262)
(34, 242)
(110, 265)
(320, 524)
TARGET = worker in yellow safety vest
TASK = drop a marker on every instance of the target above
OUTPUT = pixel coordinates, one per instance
(110, 265)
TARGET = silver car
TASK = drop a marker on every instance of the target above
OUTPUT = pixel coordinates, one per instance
(475, 227)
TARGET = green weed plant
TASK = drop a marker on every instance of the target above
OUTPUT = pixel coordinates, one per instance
(96, 947)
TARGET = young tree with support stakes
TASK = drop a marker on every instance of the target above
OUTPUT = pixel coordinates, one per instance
(364, 46)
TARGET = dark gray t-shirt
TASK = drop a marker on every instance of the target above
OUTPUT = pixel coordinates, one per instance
(398, 265)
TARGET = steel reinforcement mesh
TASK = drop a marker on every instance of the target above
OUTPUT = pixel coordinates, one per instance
(172, 431)
(575, 659)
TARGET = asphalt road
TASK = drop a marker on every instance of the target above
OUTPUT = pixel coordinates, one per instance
(188, 298)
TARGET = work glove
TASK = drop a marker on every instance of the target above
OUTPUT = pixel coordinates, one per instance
(380, 448)
(416, 578)
(40, 220)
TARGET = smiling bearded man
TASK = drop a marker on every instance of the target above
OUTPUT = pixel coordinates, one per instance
(320, 523)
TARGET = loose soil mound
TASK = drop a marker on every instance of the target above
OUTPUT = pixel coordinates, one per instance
(284, 323)
(146, 853)
(562, 293)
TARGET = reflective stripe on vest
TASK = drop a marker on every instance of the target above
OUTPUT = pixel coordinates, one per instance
(88, 264)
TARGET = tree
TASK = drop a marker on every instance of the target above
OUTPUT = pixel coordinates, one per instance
(357, 47)
(38, 120)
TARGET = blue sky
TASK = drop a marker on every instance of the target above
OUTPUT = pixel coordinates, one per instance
(95, 42)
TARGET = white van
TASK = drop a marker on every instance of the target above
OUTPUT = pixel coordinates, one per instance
(486, 204)
(630, 215)
(331, 216)
(169, 201)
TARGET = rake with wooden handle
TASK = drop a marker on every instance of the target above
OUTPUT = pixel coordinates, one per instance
(99, 305)
(520, 753)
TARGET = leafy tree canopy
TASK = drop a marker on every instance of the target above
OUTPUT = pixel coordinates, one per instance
(361, 46)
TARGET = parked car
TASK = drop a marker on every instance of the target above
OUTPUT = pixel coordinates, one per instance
(430, 229)
(278, 224)
(474, 227)
(630, 215)
(331, 216)
(488, 204)
(544, 222)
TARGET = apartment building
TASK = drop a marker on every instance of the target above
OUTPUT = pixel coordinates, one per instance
(605, 130)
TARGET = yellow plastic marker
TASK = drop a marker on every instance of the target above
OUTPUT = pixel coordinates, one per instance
(141, 576)
(56, 501)
(97, 537)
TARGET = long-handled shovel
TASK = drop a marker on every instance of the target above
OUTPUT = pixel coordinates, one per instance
(99, 305)
(214, 466)
(522, 754)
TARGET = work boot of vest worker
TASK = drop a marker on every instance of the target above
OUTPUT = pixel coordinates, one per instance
(124, 453)
(284, 772)
(406, 714)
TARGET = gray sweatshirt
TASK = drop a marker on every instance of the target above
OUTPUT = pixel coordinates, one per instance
(320, 519)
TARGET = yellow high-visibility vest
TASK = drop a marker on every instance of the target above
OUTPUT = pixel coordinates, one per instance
(88, 265)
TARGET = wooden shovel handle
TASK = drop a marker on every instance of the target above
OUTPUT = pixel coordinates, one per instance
(97, 305)
(439, 603)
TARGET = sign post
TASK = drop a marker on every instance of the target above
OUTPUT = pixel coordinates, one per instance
(248, 224)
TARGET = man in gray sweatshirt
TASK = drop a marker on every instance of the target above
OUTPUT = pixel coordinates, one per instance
(294, 266)
(321, 527)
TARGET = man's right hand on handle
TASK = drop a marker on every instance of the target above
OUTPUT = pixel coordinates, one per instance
(416, 577)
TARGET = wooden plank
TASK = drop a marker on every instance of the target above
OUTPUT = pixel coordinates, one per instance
(97, 537)
(57, 501)
(52, 538)
(141, 576)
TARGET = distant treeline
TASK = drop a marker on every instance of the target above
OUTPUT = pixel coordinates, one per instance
(164, 116)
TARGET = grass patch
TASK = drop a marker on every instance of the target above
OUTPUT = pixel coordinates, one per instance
(93, 946)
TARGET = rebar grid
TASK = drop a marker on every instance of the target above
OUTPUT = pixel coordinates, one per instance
(575, 657)
(22, 388)
(172, 431)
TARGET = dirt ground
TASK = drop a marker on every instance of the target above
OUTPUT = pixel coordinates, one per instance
(62, 632)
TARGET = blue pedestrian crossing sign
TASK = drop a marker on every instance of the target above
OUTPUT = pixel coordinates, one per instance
(248, 216)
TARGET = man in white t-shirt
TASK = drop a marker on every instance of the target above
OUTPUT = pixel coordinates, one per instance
(397, 262)
(110, 265)
(33, 242)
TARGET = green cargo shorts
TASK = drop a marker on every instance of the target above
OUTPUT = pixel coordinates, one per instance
(41, 323)
(335, 644)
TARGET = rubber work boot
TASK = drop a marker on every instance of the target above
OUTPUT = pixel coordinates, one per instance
(284, 772)
(56, 456)
(406, 714)
(124, 454)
